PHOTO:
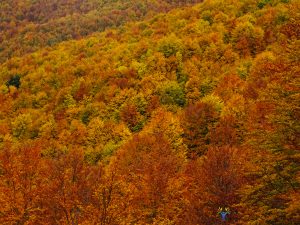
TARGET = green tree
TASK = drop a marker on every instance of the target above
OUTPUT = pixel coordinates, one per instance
(171, 93)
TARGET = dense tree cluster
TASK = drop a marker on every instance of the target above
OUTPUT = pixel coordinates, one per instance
(160, 121)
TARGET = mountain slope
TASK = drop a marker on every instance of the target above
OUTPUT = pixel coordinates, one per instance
(160, 121)
(26, 26)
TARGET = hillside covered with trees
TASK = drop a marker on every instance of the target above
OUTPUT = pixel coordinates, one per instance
(161, 118)
(28, 25)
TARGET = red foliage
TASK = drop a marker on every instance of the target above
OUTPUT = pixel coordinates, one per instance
(197, 120)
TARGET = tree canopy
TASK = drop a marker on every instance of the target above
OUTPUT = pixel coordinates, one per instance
(124, 112)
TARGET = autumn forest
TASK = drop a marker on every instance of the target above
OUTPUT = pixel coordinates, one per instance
(162, 112)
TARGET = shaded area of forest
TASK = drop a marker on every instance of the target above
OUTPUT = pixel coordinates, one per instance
(26, 26)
